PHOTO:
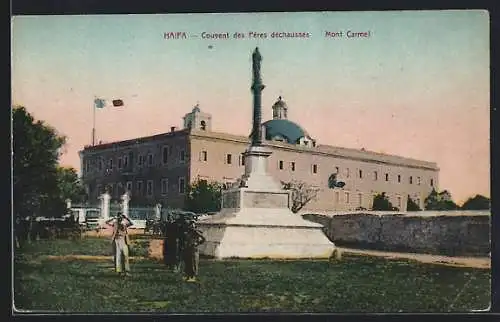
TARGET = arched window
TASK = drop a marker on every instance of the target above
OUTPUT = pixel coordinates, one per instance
(203, 125)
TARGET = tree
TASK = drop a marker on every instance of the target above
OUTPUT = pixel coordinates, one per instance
(37, 148)
(69, 185)
(381, 202)
(440, 201)
(203, 197)
(301, 193)
(412, 205)
(478, 202)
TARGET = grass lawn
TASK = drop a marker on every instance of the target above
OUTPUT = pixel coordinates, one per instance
(354, 284)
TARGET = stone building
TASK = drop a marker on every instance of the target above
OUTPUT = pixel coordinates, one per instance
(159, 167)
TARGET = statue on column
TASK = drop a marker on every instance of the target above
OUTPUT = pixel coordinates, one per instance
(256, 58)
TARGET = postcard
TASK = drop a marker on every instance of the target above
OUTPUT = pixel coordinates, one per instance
(280, 162)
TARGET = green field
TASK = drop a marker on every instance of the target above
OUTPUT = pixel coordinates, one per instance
(353, 284)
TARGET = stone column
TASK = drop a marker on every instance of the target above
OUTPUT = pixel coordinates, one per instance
(105, 198)
(257, 88)
(125, 201)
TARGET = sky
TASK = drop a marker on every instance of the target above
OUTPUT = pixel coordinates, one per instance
(418, 86)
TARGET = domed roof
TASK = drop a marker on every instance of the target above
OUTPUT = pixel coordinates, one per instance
(290, 131)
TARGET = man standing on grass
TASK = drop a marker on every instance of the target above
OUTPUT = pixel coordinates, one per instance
(191, 256)
(179, 229)
(121, 242)
(170, 243)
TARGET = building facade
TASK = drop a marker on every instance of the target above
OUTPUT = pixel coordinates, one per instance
(159, 168)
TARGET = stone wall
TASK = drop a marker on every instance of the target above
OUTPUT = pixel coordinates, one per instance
(467, 235)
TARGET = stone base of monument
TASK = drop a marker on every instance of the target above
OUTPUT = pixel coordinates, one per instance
(257, 223)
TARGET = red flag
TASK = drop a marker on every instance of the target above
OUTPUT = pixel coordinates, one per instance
(117, 103)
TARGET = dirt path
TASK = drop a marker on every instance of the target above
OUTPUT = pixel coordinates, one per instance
(89, 257)
(473, 262)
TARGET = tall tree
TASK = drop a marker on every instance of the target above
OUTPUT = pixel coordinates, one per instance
(478, 202)
(69, 185)
(203, 196)
(37, 148)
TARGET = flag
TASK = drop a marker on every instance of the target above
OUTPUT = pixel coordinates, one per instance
(99, 103)
(118, 102)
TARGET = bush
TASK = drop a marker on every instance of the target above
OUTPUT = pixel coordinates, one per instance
(477, 203)
(381, 202)
(412, 205)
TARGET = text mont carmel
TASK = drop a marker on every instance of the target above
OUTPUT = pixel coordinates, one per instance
(347, 34)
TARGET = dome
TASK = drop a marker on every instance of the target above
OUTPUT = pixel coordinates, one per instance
(290, 131)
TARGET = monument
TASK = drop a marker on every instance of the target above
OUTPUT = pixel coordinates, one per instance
(255, 220)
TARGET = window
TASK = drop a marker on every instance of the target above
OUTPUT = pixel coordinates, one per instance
(129, 186)
(130, 158)
(125, 161)
(337, 170)
(120, 163)
(241, 159)
(375, 175)
(149, 189)
(315, 168)
(150, 159)
(204, 156)
(360, 199)
(280, 164)
(418, 181)
(399, 178)
(139, 188)
(182, 156)
(164, 154)
(411, 180)
(347, 197)
(292, 166)
(182, 185)
(432, 182)
(140, 160)
(203, 125)
(386, 177)
(110, 164)
(99, 164)
(361, 174)
(228, 158)
(399, 202)
(164, 186)
(347, 173)
(337, 197)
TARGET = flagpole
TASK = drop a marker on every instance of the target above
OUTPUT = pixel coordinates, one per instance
(93, 122)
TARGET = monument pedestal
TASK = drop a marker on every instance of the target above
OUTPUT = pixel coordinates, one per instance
(256, 221)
